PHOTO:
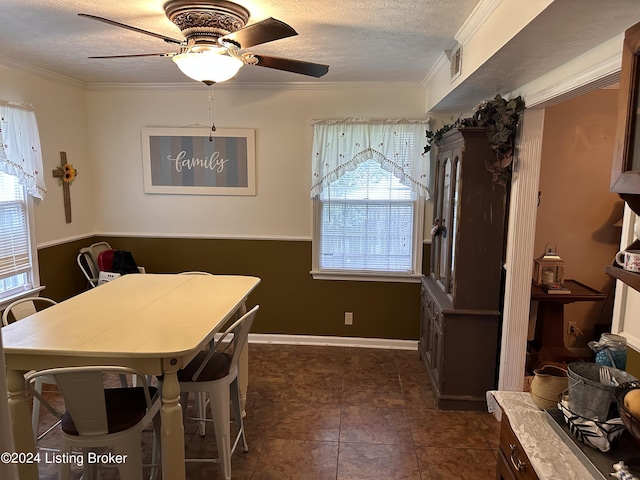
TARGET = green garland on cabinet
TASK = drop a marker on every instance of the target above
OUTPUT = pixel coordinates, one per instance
(501, 118)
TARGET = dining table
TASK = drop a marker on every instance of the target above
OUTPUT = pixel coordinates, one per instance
(154, 323)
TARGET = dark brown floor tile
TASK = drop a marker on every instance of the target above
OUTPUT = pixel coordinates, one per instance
(266, 389)
(384, 426)
(301, 421)
(259, 418)
(377, 462)
(242, 464)
(364, 362)
(317, 412)
(372, 391)
(276, 360)
(316, 359)
(313, 388)
(409, 361)
(457, 463)
(418, 394)
(297, 460)
(448, 429)
(491, 429)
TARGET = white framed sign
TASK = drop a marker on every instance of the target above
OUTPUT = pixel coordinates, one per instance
(197, 161)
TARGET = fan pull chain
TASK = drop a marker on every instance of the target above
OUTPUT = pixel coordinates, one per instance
(211, 113)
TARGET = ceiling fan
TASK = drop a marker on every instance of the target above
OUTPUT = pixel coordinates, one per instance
(215, 33)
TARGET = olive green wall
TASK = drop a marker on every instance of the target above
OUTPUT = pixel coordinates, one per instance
(59, 272)
(291, 301)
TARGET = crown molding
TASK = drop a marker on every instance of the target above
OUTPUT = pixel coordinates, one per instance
(478, 17)
(600, 75)
(41, 72)
(192, 85)
(441, 64)
(250, 85)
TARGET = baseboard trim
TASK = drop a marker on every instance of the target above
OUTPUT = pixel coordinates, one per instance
(359, 342)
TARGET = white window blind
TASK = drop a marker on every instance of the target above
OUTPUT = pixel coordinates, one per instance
(367, 222)
(368, 180)
(15, 258)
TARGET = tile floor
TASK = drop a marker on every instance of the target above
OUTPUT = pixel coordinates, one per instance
(316, 413)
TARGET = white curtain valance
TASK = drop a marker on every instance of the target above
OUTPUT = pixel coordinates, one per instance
(398, 145)
(20, 153)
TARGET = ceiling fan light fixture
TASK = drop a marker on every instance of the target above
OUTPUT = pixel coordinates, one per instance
(208, 66)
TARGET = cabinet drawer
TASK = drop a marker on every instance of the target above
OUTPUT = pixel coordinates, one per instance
(513, 454)
(428, 304)
(438, 320)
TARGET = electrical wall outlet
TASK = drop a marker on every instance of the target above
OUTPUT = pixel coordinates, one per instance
(348, 318)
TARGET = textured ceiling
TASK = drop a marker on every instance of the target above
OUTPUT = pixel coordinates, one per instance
(361, 40)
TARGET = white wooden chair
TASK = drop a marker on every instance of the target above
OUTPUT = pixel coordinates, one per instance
(201, 398)
(20, 309)
(215, 372)
(87, 260)
(96, 416)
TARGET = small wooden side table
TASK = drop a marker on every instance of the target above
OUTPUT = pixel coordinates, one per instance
(548, 341)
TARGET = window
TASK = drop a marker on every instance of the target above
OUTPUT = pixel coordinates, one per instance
(21, 179)
(16, 254)
(368, 213)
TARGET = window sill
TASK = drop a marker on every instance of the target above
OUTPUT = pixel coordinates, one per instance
(367, 276)
(5, 302)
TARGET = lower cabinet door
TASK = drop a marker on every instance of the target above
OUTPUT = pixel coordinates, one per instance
(513, 462)
(504, 470)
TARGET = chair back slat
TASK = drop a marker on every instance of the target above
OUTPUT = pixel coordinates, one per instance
(87, 260)
(240, 334)
(240, 331)
(83, 393)
(24, 307)
(23, 310)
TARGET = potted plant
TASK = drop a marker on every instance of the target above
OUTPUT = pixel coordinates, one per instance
(500, 117)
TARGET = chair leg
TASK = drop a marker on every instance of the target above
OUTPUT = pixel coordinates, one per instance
(35, 412)
(65, 467)
(155, 452)
(184, 403)
(237, 413)
(130, 446)
(201, 400)
(219, 403)
(91, 471)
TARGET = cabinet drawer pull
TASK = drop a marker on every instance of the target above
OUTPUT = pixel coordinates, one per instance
(518, 464)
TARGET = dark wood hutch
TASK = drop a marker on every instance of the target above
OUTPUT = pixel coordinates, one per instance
(462, 294)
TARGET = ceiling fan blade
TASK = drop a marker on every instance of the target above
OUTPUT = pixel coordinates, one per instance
(261, 32)
(137, 55)
(296, 66)
(134, 29)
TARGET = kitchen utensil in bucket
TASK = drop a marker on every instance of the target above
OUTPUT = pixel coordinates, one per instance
(587, 396)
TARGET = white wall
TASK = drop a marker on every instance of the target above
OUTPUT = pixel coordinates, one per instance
(282, 118)
(100, 129)
(61, 113)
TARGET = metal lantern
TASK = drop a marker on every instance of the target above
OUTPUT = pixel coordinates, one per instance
(549, 267)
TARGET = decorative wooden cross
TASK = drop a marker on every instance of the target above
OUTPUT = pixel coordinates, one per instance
(57, 173)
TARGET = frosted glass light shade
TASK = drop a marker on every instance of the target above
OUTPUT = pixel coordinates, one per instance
(207, 66)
